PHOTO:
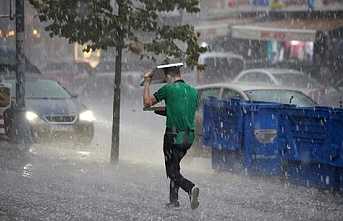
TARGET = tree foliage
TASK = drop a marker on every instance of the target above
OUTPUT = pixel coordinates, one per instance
(99, 25)
(133, 25)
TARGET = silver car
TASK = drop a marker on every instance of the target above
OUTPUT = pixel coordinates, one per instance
(319, 92)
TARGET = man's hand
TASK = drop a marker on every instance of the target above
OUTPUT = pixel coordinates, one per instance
(148, 100)
(147, 77)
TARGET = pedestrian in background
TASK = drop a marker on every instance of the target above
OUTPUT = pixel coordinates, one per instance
(181, 101)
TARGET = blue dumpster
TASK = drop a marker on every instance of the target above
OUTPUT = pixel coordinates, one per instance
(340, 179)
(222, 124)
(312, 146)
(337, 139)
(243, 136)
(222, 130)
(319, 175)
(261, 142)
(308, 132)
(266, 138)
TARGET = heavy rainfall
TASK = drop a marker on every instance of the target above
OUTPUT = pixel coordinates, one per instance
(259, 51)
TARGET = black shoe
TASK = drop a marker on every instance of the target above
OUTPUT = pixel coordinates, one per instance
(173, 204)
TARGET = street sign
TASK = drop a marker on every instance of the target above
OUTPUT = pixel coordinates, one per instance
(5, 96)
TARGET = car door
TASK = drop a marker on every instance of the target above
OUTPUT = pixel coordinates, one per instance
(203, 93)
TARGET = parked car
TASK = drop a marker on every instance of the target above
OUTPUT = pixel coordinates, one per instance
(219, 67)
(51, 111)
(322, 94)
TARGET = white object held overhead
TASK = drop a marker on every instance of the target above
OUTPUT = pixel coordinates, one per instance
(170, 65)
(158, 74)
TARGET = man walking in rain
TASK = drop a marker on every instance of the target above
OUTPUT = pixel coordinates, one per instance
(181, 101)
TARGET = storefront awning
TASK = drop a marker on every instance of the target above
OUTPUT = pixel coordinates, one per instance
(218, 28)
(286, 29)
(209, 31)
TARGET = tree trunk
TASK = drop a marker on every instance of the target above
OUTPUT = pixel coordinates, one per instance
(116, 108)
(116, 93)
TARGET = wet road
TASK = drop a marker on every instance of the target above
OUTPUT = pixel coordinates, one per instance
(65, 182)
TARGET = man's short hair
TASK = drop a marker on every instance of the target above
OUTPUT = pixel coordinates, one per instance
(172, 71)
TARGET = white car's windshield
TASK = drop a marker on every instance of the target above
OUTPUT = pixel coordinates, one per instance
(280, 96)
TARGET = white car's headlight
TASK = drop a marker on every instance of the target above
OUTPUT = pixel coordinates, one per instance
(31, 116)
(87, 116)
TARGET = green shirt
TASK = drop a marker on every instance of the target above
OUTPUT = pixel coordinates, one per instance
(181, 101)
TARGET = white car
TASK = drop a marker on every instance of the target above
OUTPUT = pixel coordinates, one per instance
(292, 79)
(219, 67)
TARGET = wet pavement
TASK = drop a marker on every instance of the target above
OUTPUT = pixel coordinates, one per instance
(56, 182)
(62, 181)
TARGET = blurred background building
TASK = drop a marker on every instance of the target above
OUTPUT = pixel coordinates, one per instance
(40, 48)
(301, 34)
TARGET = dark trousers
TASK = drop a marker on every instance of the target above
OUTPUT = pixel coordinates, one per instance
(173, 154)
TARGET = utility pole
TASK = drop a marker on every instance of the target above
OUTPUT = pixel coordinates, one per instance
(20, 132)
